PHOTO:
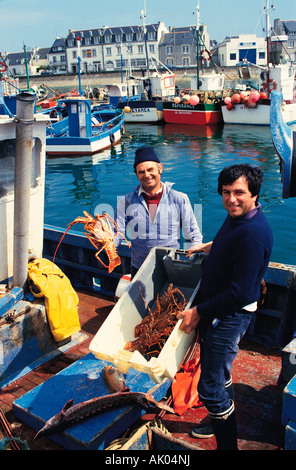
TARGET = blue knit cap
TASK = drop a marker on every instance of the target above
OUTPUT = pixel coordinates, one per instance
(145, 154)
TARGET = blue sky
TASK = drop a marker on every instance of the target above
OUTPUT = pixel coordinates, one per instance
(39, 22)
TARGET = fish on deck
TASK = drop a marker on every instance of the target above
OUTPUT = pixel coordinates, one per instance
(71, 414)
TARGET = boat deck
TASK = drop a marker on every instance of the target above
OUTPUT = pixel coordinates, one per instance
(255, 374)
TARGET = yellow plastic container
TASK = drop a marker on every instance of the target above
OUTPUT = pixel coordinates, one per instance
(162, 267)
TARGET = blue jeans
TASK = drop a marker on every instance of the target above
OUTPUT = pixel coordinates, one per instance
(218, 349)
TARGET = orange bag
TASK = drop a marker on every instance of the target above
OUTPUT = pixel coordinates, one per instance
(184, 387)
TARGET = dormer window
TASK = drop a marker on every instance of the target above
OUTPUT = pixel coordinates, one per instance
(118, 37)
(108, 38)
(151, 35)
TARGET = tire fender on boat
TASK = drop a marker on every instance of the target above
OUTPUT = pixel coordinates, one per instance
(112, 138)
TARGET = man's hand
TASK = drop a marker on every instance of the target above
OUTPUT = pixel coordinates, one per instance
(190, 318)
(205, 247)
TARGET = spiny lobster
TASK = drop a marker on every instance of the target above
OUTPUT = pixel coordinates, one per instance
(99, 232)
(155, 328)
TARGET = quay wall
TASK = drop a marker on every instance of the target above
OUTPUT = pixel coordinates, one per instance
(104, 78)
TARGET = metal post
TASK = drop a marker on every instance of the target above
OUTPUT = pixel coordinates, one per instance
(22, 186)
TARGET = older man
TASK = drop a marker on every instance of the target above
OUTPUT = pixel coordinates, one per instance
(153, 214)
(228, 295)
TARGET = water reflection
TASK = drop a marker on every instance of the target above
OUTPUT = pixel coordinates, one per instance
(192, 159)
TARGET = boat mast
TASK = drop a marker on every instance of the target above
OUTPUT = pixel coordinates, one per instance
(197, 46)
(144, 16)
(79, 65)
(267, 32)
(27, 70)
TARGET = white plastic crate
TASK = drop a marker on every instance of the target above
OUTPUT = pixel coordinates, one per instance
(162, 267)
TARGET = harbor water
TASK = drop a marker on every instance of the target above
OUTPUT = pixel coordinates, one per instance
(192, 158)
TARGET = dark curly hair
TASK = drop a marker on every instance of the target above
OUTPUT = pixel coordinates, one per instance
(253, 175)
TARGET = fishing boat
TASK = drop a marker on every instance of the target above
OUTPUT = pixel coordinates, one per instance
(83, 130)
(39, 376)
(200, 105)
(253, 107)
(284, 141)
(144, 97)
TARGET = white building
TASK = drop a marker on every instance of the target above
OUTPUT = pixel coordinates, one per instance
(113, 49)
(239, 48)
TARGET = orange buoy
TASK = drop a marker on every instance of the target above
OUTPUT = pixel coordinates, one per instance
(235, 98)
(194, 99)
(186, 99)
(254, 96)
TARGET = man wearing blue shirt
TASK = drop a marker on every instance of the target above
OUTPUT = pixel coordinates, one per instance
(227, 299)
(153, 214)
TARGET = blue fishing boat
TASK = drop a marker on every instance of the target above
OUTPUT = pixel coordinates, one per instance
(39, 375)
(284, 140)
(84, 130)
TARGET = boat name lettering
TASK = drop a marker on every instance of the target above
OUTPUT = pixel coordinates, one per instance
(140, 110)
(181, 105)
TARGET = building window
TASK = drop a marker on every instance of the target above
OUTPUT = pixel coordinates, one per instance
(151, 48)
(261, 55)
(141, 62)
(151, 35)
(130, 49)
(185, 49)
(232, 56)
(129, 37)
(118, 37)
(140, 49)
(118, 50)
(169, 49)
(74, 54)
(63, 58)
(119, 64)
(108, 51)
(140, 36)
(70, 42)
(96, 40)
(186, 62)
(87, 41)
(108, 39)
(170, 62)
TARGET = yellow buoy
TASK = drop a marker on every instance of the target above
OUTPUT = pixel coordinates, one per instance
(127, 109)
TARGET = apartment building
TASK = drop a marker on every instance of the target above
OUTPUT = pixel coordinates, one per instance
(283, 40)
(113, 49)
(178, 47)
